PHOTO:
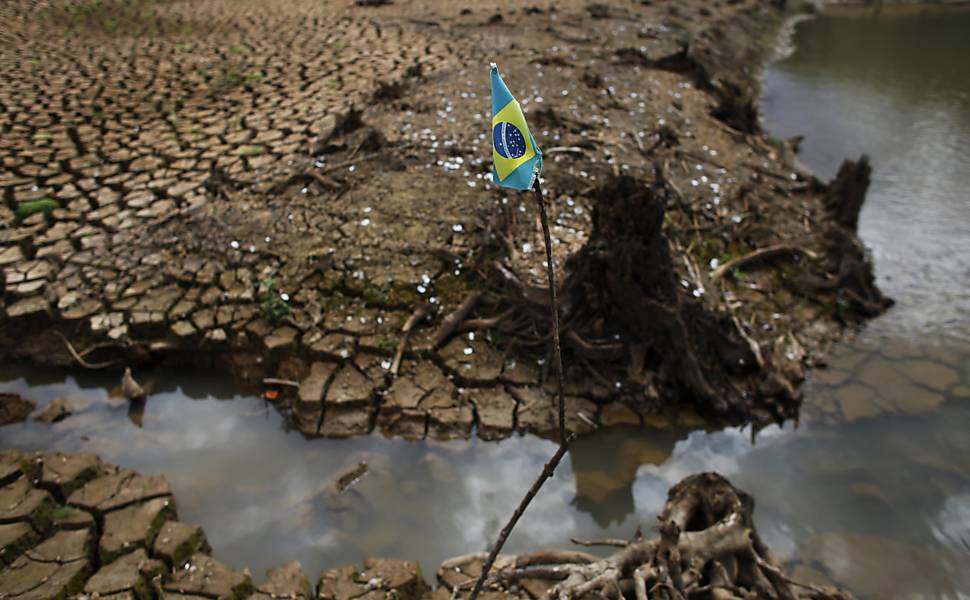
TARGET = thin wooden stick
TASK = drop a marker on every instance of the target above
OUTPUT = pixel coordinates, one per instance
(278, 381)
(602, 542)
(766, 253)
(551, 272)
(546, 473)
(80, 357)
(564, 441)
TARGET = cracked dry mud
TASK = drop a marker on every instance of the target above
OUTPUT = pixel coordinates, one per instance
(276, 187)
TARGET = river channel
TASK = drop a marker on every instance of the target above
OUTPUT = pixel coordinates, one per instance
(870, 491)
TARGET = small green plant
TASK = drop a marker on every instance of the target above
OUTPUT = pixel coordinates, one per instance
(229, 79)
(273, 306)
(387, 343)
(63, 512)
(44, 205)
(252, 150)
(738, 274)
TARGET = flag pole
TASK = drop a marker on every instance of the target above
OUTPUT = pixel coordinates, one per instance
(564, 442)
(551, 273)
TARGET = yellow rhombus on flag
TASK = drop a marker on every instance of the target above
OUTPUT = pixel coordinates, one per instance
(516, 158)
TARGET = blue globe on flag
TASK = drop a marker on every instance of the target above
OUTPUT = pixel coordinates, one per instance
(508, 140)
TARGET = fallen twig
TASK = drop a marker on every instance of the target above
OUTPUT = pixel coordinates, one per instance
(601, 542)
(546, 473)
(488, 323)
(419, 314)
(565, 149)
(451, 322)
(324, 181)
(766, 253)
(285, 382)
(752, 343)
(347, 163)
(80, 357)
(585, 419)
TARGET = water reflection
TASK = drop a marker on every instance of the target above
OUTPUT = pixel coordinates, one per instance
(604, 472)
(262, 493)
(830, 496)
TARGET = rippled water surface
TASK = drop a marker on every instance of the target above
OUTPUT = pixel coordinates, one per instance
(871, 492)
(898, 89)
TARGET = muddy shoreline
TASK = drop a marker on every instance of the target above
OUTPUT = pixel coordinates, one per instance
(301, 256)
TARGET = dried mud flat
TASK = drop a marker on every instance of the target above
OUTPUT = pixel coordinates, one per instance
(74, 527)
(282, 188)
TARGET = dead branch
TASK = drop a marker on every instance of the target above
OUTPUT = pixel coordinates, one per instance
(546, 473)
(347, 163)
(565, 149)
(283, 382)
(419, 314)
(79, 357)
(306, 177)
(451, 322)
(547, 557)
(602, 542)
(761, 254)
(488, 323)
(720, 557)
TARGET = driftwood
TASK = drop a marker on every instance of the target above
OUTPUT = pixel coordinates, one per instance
(759, 255)
(707, 548)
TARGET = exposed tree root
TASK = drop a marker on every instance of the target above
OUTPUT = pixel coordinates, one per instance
(626, 315)
(707, 548)
(622, 309)
(852, 276)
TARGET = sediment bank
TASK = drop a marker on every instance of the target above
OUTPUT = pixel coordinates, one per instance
(277, 189)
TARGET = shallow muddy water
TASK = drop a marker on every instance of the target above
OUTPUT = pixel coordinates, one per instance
(886, 494)
(872, 491)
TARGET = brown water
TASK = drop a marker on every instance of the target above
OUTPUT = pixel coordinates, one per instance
(871, 492)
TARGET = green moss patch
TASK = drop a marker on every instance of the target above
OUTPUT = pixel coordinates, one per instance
(44, 205)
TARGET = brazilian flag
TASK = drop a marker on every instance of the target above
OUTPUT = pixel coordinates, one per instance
(516, 159)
